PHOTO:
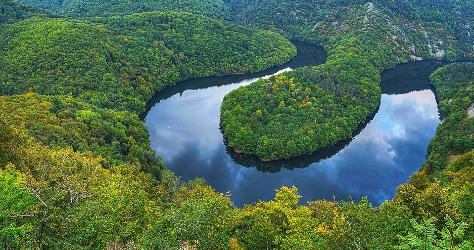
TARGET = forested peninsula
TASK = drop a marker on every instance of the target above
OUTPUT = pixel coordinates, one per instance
(77, 170)
(310, 109)
(93, 80)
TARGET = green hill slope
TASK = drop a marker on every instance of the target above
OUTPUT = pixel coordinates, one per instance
(95, 78)
(362, 39)
(11, 12)
(71, 157)
(88, 8)
(121, 64)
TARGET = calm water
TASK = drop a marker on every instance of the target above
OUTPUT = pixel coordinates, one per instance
(184, 130)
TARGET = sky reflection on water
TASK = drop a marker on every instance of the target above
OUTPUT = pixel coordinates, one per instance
(184, 130)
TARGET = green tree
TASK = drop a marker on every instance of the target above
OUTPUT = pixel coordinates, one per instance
(16, 210)
(425, 236)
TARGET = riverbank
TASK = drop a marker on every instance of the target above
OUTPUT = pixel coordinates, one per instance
(184, 127)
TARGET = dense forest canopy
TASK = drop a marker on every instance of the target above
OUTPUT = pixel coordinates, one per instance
(77, 170)
(11, 12)
(273, 120)
(121, 65)
(81, 8)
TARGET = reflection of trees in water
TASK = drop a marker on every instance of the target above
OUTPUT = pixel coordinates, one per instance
(297, 162)
(308, 55)
(407, 77)
(251, 161)
(404, 78)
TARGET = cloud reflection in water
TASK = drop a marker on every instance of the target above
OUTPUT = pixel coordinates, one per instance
(184, 130)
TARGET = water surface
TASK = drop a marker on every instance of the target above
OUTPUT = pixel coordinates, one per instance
(184, 130)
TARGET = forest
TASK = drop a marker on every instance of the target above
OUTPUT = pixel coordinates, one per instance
(352, 75)
(217, 9)
(77, 170)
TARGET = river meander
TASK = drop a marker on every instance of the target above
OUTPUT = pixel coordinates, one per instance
(184, 129)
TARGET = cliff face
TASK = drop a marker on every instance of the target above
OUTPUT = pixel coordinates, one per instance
(419, 29)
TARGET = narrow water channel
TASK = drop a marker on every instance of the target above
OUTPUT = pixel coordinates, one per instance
(184, 130)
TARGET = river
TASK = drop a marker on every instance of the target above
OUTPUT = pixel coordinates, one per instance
(183, 122)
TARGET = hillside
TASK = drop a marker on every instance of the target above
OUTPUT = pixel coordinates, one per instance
(89, 8)
(127, 67)
(92, 68)
(77, 170)
(11, 12)
(362, 39)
